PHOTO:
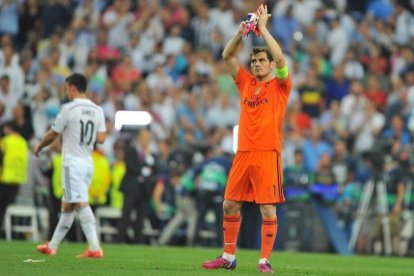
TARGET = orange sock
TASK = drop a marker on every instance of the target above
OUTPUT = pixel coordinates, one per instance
(231, 226)
(269, 232)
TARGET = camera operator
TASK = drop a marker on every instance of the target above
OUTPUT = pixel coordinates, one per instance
(376, 165)
(395, 188)
(405, 173)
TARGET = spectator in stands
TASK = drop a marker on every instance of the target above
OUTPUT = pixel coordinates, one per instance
(9, 15)
(222, 113)
(9, 97)
(24, 126)
(353, 67)
(56, 15)
(312, 94)
(352, 106)
(335, 34)
(333, 123)
(297, 179)
(342, 163)
(397, 131)
(137, 53)
(375, 93)
(297, 120)
(203, 26)
(29, 22)
(223, 18)
(336, 87)
(117, 20)
(158, 80)
(374, 62)
(125, 76)
(314, 147)
(104, 51)
(291, 25)
(324, 174)
(59, 70)
(190, 120)
(9, 65)
(404, 24)
(367, 128)
(86, 10)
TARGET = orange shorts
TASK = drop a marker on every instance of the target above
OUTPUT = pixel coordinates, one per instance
(256, 176)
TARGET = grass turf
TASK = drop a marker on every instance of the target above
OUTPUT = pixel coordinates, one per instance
(147, 260)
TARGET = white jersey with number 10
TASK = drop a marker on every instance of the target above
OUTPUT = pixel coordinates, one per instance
(79, 121)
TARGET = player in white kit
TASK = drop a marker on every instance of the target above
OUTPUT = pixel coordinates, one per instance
(81, 123)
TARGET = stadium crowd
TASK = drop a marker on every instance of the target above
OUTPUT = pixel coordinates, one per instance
(352, 66)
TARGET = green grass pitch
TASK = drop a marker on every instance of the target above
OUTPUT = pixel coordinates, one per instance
(21, 258)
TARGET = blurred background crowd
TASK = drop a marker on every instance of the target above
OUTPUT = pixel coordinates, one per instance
(350, 116)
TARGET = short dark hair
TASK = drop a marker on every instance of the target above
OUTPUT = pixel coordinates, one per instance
(11, 124)
(298, 151)
(5, 77)
(257, 50)
(78, 80)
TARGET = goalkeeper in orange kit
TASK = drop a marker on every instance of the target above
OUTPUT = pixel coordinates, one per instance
(256, 174)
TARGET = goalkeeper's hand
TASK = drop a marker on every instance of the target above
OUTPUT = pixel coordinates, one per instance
(262, 16)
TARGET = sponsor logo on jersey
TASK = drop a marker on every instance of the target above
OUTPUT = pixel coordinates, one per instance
(255, 102)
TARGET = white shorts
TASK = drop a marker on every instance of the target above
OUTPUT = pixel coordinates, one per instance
(76, 178)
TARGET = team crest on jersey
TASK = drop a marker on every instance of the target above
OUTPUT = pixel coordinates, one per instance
(258, 90)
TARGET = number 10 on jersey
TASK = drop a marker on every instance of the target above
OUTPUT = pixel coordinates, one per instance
(86, 132)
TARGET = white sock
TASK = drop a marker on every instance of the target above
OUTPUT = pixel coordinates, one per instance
(88, 223)
(228, 257)
(62, 228)
(263, 260)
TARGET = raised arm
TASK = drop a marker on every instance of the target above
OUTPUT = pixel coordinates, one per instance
(230, 51)
(271, 43)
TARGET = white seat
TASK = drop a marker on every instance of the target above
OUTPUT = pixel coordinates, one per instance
(102, 226)
(22, 211)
